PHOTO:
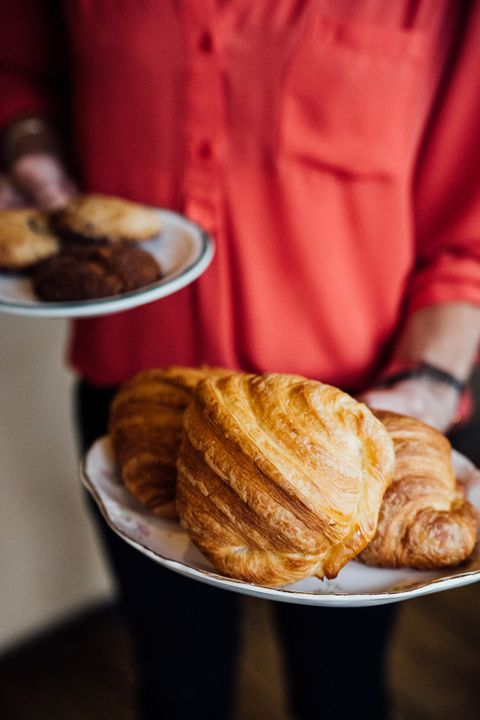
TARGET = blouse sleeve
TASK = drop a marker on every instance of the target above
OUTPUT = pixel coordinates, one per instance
(447, 198)
(32, 61)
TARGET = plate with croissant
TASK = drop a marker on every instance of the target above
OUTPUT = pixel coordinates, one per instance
(96, 256)
(286, 488)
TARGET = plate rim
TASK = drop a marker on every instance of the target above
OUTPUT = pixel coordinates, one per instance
(118, 303)
(281, 594)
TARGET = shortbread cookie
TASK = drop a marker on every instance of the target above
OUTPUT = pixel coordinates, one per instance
(25, 238)
(101, 218)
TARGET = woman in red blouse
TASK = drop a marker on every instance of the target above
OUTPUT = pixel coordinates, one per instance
(332, 148)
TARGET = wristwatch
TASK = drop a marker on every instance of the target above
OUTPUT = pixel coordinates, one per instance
(397, 372)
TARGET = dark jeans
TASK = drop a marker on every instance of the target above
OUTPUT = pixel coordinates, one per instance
(185, 633)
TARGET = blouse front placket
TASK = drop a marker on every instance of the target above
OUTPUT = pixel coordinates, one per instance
(204, 114)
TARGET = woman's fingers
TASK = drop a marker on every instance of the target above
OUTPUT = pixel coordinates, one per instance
(53, 196)
(10, 197)
(43, 178)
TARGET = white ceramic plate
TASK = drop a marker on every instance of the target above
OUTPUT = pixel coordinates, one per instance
(183, 251)
(357, 585)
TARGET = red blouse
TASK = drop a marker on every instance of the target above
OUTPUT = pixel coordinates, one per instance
(331, 146)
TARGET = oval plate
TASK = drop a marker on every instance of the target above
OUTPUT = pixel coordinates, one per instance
(183, 250)
(357, 585)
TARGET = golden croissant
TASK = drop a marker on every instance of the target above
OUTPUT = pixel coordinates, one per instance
(145, 428)
(280, 477)
(424, 522)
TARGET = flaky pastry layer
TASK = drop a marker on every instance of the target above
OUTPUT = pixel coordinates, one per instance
(145, 427)
(425, 521)
(280, 477)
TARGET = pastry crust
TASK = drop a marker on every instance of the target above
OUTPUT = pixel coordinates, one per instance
(145, 428)
(425, 521)
(95, 217)
(280, 477)
(25, 238)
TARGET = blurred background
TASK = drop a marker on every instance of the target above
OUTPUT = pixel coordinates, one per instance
(64, 652)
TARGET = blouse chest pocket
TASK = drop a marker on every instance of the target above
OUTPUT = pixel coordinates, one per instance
(348, 98)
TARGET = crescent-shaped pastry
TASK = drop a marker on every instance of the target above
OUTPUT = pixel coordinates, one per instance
(280, 477)
(145, 427)
(425, 521)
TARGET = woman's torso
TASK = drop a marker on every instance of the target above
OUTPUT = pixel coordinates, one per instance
(291, 130)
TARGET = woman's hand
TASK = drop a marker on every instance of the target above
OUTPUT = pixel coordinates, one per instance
(422, 398)
(445, 336)
(39, 179)
(37, 173)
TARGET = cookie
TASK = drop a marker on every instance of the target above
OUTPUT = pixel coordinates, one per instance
(84, 272)
(101, 218)
(25, 238)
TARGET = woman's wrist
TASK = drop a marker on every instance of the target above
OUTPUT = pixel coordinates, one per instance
(445, 335)
(427, 391)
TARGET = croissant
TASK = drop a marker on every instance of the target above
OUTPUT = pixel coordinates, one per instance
(280, 477)
(145, 427)
(424, 522)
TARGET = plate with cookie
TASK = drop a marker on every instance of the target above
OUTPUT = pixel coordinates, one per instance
(282, 487)
(96, 256)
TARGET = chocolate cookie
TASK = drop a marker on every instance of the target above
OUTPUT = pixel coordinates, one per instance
(83, 272)
(25, 238)
(101, 218)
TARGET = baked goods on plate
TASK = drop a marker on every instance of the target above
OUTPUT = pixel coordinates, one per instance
(266, 479)
(182, 251)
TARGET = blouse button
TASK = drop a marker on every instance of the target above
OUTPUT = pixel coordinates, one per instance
(205, 43)
(205, 151)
